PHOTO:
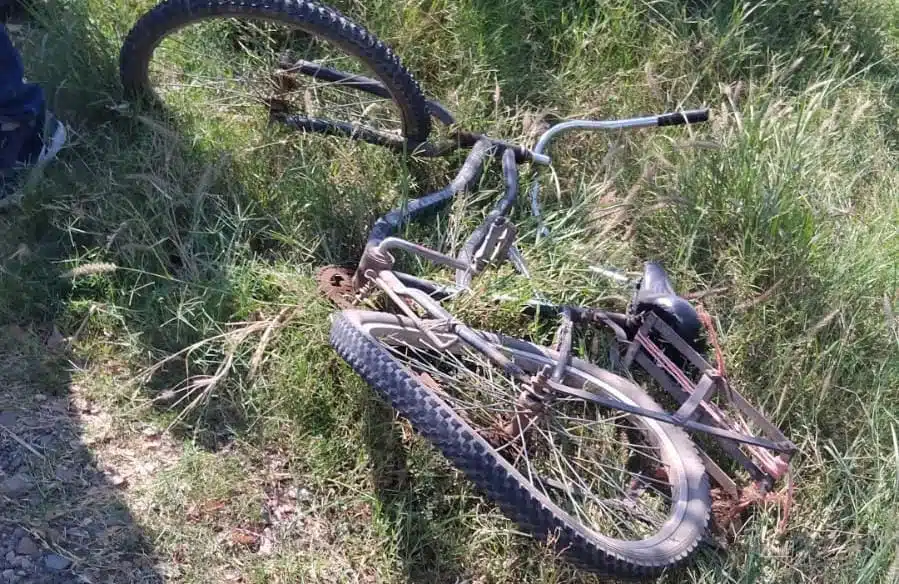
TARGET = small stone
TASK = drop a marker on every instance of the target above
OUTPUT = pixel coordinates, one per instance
(23, 562)
(55, 340)
(13, 463)
(8, 419)
(56, 562)
(15, 485)
(77, 532)
(27, 547)
(10, 576)
(10, 557)
(39, 397)
(116, 519)
(65, 474)
(266, 544)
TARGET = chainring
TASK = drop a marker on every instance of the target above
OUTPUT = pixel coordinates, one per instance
(336, 283)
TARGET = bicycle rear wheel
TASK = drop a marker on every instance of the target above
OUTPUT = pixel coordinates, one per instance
(620, 494)
(239, 60)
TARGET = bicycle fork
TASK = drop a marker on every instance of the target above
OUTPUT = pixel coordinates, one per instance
(536, 390)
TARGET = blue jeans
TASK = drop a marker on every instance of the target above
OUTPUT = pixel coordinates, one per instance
(19, 101)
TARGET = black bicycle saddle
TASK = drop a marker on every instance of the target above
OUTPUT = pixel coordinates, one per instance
(656, 293)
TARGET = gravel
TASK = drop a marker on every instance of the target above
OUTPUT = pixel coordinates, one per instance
(64, 522)
(56, 562)
(27, 547)
(16, 485)
(56, 500)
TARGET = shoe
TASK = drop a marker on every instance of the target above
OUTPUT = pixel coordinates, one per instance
(24, 146)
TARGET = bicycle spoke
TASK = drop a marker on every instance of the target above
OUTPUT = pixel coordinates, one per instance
(249, 75)
(603, 468)
(578, 508)
(572, 450)
(643, 449)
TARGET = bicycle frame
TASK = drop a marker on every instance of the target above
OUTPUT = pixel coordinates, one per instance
(765, 455)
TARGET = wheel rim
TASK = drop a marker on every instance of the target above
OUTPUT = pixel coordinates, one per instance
(243, 71)
(626, 500)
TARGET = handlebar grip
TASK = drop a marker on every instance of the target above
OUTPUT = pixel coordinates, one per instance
(687, 117)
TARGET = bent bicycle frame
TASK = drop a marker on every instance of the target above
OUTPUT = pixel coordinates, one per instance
(764, 454)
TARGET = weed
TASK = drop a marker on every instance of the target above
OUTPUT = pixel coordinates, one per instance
(185, 246)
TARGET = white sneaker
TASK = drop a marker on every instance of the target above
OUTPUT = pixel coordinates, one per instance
(54, 138)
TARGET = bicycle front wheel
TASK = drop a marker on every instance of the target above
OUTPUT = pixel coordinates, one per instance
(250, 61)
(619, 493)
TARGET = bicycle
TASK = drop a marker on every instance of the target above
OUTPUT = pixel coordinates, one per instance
(568, 450)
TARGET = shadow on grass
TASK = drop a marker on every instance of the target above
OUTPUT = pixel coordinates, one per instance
(531, 45)
(789, 27)
(64, 517)
(517, 42)
(136, 188)
(425, 542)
(814, 39)
(102, 200)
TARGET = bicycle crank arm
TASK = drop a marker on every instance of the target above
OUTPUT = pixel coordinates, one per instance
(562, 344)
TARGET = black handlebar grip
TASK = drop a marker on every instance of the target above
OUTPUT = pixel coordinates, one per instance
(687, 117)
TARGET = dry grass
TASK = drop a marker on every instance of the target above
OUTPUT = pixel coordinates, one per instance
(177, 261)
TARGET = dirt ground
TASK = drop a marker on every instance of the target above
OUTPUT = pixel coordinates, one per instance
(62, 476)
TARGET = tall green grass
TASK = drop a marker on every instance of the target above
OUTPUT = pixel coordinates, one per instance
(788, 201)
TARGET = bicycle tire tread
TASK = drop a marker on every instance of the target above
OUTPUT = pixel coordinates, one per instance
(472, 455)
(318, 19)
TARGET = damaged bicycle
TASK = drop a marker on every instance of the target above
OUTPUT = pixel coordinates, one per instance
(574, 453)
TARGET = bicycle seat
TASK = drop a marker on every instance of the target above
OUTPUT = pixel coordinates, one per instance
(657, 294)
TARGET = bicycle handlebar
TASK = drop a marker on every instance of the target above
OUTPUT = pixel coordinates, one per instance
(483, 147)
(670, 119)
(538, 156)
(467, 175)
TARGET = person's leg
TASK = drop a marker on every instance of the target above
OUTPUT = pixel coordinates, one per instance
(18, 100)
(28, 133)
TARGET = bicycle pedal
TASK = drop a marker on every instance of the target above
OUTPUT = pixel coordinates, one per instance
(499, 239)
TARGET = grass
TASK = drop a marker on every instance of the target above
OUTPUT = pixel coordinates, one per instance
(788, 200)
